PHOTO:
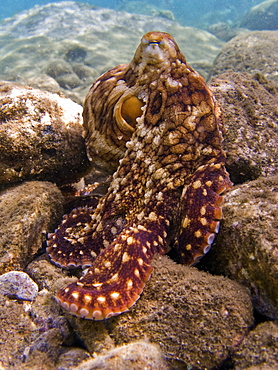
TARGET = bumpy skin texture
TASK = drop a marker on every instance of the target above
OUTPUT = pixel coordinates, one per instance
(165, 192)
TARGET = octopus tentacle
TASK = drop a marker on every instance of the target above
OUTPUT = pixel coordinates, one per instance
(202, 212)
(117, 277)
(70, 245)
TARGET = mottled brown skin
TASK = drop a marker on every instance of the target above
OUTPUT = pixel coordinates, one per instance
(165, 192)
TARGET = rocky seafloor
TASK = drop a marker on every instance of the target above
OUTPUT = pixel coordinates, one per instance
(221, 314)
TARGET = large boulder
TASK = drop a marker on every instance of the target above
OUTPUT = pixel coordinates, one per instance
(250, 110)
(27, 212)
(196, 318)
(263, 16)
(246, 248)
(253, 52)
(40, 136)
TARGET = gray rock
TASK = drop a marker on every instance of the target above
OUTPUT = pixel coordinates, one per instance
(45, 349)
(27, 211)
(263, 16)
(145, 7)
(253, 52)
(45, 38)
(246, 249)
(58, 67)
(44, 82)
(136, 356)
(69, 81)
(18, 285)
(250, 111)
(40, 136)
(83, 71)
(71, 358)
(224, 31)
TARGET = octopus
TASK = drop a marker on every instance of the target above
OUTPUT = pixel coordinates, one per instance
(156, 125)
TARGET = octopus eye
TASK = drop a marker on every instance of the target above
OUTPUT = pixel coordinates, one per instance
(131, 110)
(155, 42)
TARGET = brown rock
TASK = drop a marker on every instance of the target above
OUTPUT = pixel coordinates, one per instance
(246, 248)
(197, 319)
(94, 334)
(27, 211)
(32, 333)
(250, 109)
(37, 342)
(253, 52)
(183, 309)
(16, 330)
(40, 136)
(259, 350)
(44, 272)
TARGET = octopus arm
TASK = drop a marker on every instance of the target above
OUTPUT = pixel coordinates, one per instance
(71, 246)
(202, 211)
(116, 278)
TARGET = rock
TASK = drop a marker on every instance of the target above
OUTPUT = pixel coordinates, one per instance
(57, 36)
(145, 7)
(263, 16)
(96, 336)
(246, 249)
(224, 31)
(44, 82)
(69, 81)
(83, 72)
(27, 211)
(250, 109)
(36, 335)
(16, 330)
(136, 356)
(44, 272)
(251, 52)
(58, 67)
(71, 358)
(259, 350)
(46, 349)
(18, 285)
(40, 136)
(181, 309)
(32, 333)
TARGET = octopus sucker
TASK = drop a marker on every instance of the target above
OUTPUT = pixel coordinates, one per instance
(154, 124)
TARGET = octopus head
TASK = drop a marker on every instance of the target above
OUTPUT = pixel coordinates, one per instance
(156, 48)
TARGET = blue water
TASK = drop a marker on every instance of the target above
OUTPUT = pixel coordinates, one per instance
(188, 12)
